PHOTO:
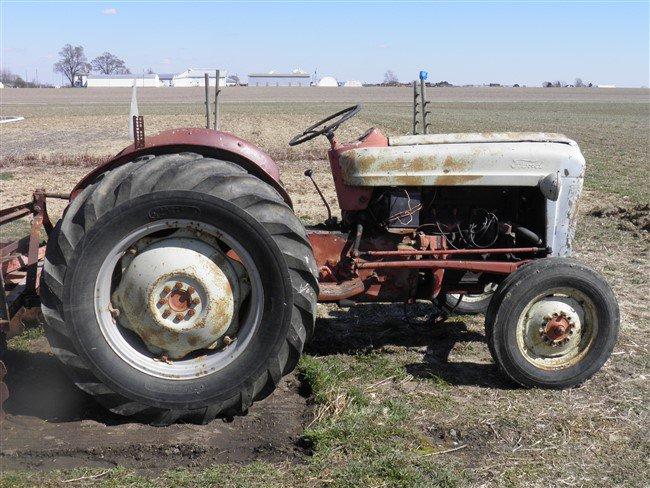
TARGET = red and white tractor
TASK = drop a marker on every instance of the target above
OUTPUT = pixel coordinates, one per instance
(179, 283)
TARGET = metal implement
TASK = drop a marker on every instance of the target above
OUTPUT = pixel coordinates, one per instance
(217, 92)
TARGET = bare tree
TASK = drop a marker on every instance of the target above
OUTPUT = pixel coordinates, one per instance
(109, 64)
(234, 78)
(72, 62)
(390, 78)
(579, 83)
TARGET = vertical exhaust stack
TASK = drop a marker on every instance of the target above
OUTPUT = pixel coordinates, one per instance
(134, 109)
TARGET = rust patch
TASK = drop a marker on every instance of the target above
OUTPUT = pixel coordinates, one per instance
(451, 180)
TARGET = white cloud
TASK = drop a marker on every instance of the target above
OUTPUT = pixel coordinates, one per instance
(49, 56)
(383, 46)
(109, 11)
(166, 61)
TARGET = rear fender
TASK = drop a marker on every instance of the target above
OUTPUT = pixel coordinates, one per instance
(207, 142)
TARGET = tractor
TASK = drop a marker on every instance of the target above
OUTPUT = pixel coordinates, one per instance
(179, 285)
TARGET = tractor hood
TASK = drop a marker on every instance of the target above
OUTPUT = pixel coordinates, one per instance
(498, 159)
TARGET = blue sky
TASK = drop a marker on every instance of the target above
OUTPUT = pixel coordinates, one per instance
(462, 42)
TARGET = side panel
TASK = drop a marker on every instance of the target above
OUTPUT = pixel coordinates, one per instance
(207, 142)
(353, 197)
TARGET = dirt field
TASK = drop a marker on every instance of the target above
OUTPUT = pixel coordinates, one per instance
(376, 401)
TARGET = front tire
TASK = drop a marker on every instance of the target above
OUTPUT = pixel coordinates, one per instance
(552, 324)
(163, 351)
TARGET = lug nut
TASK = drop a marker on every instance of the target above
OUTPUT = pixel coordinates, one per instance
(166, 289)
(196, 300)
(190, 312)
(178, 285)
(166, 313)
(162, 301)
(190, 289)
(179, 316)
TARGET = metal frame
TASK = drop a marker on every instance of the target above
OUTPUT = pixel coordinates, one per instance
(20, 258)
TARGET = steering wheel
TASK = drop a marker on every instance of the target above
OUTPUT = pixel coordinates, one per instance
(310, 132)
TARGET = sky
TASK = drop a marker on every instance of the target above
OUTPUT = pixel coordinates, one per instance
(463, 42)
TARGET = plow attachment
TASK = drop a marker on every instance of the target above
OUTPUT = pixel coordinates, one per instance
(21, 260)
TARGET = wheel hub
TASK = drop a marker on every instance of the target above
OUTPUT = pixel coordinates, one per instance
(558, 329)
(551, 329)
(179, 295)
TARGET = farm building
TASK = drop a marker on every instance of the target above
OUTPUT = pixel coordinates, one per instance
(142, 80)
(295, 78)
(196, 77)
(328, 81)
(166, 78)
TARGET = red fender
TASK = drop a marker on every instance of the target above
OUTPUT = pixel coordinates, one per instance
(208, 142)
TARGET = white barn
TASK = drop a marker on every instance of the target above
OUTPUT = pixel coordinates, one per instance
(196, 77)
(102, 81)
(328, 81)
(272, 78)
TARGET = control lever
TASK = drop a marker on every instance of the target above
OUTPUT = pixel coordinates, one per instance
(330, 220)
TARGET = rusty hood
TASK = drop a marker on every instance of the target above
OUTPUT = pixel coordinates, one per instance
(499, 159)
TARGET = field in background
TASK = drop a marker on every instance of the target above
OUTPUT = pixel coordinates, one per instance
(378, 401)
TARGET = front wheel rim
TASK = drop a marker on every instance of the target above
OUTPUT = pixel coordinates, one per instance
(557, 329)
(142, 355)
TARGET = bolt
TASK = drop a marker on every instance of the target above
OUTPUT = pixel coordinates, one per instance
(166, 289)
(162, 301)
(190, 312)
(179, 316)
(190, 289)
(196, 300)
(178, 285)
(227, 340)
(166, 313)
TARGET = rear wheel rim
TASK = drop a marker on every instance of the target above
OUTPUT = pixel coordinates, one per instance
(557, 328)
(133, 349)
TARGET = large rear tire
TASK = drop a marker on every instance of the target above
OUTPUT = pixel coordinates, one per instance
(552, 324)
(221, 331)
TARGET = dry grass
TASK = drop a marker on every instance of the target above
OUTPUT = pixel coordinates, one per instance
(405, 405)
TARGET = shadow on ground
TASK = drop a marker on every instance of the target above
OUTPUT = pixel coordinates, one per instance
(364, 328)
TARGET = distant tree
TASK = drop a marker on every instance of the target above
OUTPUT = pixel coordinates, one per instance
(390, 78)
(8, 78)
(72, 62)
(149, 71)
(234, 79)
(558, 84)
(547, 84)
(579, 83)
(109, 64)
(441, 84)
